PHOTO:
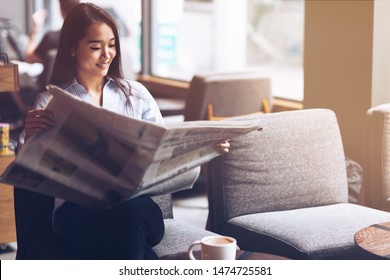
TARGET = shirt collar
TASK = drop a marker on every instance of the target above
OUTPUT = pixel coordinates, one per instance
(74, 82)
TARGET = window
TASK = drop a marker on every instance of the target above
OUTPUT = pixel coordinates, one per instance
(193, 36)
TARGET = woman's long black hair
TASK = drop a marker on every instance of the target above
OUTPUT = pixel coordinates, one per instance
(73, 30)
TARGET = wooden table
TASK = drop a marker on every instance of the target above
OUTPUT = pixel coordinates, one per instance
(7, 214)
(241, 255)
(374, 241)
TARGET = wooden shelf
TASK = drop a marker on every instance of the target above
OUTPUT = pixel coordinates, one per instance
(7, 214)
(9, 78)
(9, 82)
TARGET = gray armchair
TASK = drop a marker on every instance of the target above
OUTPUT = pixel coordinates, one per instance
(226, 94)
(230, 94)
(284, 189)
(376, 164)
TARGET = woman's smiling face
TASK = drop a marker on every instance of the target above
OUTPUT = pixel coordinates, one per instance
(95, 51)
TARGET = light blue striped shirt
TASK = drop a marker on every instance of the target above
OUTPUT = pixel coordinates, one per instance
(141, 106)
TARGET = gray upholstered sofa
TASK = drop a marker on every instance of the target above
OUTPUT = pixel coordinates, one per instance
(284, 189)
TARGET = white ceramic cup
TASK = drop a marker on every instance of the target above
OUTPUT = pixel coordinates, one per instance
(215, 248)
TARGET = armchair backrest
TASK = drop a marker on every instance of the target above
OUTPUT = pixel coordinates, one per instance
(376, 163)
(296, 161)
(184, 180)
(231, 94)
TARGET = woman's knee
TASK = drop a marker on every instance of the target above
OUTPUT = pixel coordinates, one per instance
(143, 213)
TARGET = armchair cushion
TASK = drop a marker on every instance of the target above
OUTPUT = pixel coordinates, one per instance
(178, 237)
(313, 233)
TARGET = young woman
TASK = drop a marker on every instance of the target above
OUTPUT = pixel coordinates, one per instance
(88, 65)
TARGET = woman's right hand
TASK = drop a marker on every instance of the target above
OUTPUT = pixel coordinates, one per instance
(37, 121)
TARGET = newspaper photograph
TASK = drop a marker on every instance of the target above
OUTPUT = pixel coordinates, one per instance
(99, 158)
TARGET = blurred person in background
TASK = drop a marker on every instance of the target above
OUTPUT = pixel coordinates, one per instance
(42, 52)
(36, 51)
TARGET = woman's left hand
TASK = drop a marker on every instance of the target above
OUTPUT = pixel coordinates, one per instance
(223, 146)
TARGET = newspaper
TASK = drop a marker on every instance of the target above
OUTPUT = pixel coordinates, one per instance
(99, 158)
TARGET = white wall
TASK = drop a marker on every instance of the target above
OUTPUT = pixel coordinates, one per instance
(338, 65)
(14, 10)
(381, 54)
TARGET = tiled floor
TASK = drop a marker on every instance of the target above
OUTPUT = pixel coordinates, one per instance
(191, 209)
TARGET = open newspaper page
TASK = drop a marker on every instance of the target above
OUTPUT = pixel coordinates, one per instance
(99, 158)
(192, 144)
